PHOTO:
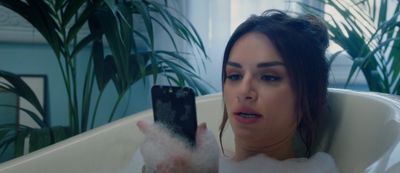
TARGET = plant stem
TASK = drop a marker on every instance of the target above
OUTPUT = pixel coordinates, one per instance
(71, 89)
(72, 64)
(115, 106)
(66, 82)
(65, 72)
(95, 110)
(86, 96)
(75, 92)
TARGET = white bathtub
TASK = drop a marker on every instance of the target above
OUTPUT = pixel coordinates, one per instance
(366, 139)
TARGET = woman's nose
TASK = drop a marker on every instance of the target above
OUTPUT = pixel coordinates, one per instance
(247, 91)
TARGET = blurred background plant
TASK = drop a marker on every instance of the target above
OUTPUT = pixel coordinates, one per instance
(123, 28)
(368, 31)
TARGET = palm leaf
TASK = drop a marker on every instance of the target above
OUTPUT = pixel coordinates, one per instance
(119, 50)
(188, 34)
(76, 27)
(142, 9)
(50, 26)
(368, 33)
(23, 90)
(82, 44)
(60, 21)
(71, 10)
(41, 20)
(39, 121)
(166, 31)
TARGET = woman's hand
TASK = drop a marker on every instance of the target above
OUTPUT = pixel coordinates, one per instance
(163, 152)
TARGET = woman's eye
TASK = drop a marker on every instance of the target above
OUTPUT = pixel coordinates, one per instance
(270, 78)
(234, 77)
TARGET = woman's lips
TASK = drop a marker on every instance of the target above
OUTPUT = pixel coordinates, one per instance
(246, 116)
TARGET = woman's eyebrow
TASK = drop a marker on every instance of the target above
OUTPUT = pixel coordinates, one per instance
(259, 65)
(234, 64)
(269, 64)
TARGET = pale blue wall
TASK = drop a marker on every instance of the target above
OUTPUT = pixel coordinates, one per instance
(37, 59)
(22, 58)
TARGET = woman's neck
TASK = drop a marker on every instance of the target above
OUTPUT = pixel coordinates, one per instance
(281, 150)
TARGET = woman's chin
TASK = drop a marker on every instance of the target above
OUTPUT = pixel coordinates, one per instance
(244, 133)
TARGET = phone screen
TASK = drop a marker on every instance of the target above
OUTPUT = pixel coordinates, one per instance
(175, 107)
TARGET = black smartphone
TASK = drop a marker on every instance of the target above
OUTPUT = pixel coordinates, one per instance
(175, 107)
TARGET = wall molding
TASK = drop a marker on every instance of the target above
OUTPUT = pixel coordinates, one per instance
(15, 29)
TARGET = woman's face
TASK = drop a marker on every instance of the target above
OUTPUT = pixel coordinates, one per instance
(259, 99)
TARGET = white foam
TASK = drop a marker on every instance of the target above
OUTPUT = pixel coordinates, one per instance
(319, 163)
(161, 145)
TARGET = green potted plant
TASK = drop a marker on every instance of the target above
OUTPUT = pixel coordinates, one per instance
(113, 26)
(369, 32)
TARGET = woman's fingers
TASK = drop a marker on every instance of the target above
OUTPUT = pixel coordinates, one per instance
(178, 165)
(163, 168)
(205, 157)
(201, 130)
(144, 126)
(202, 127)
(165, 153)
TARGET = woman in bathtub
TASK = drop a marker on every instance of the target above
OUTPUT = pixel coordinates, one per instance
(275, 79)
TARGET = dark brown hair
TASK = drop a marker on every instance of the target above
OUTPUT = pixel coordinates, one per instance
(301, 41)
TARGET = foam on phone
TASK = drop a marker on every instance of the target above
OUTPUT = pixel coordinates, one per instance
(161, 145)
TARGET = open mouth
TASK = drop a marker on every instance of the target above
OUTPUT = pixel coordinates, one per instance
(247, 115)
